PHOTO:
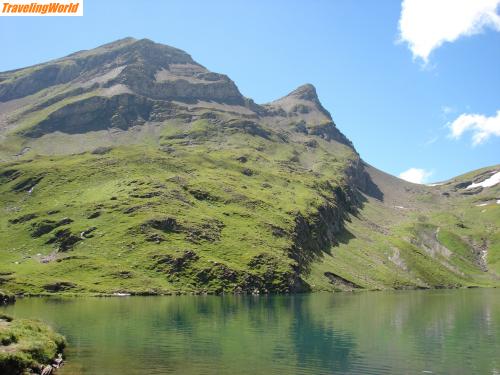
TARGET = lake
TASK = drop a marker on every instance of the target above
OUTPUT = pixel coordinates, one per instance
(402, 332)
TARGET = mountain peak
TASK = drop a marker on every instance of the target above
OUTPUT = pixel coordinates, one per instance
(304, 102)
(305, 92)
(130, 50)
(119, 43)
(138, 66)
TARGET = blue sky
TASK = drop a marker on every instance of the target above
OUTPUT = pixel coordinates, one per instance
(394, 104)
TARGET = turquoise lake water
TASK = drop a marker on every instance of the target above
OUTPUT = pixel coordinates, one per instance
(404, 332)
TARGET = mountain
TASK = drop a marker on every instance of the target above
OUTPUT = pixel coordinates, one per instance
(131, 168)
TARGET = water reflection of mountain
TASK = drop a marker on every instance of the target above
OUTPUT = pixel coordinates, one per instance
(366, 333)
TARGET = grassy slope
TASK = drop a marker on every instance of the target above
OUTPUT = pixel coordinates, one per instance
(430, 242)
(227, 217)
(224, 216)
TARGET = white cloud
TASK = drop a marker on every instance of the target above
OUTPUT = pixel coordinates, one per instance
(482, 127)
(415, 175)
(427, 24)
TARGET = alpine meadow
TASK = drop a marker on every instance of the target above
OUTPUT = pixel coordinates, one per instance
(132, 169)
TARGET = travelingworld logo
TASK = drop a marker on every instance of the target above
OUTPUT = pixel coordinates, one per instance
(42, 8)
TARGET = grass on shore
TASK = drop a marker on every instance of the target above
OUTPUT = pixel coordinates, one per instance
(26, 345)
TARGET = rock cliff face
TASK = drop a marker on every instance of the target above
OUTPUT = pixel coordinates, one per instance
(144, 67)
(96, 113)
(131, 168)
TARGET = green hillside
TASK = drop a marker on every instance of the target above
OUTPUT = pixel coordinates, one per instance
(133, 169)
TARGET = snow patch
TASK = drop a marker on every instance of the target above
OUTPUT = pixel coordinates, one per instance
(489, 182)
(481, 204)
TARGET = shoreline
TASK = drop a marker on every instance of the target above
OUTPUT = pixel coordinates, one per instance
(215, 294)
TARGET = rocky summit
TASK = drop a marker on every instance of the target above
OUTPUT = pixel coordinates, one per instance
(132, 169)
